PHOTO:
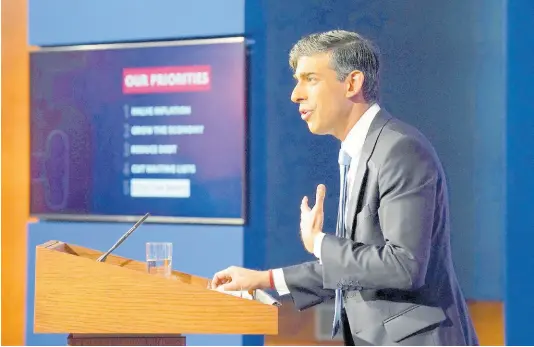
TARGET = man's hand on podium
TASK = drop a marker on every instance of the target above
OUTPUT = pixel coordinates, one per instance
(238, 278)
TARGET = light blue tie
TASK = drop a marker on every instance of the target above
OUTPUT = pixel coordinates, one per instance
(344, 162)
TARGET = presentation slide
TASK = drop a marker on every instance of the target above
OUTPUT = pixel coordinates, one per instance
(121, 130)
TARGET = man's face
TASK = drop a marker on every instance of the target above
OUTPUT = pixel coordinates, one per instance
(322, 98)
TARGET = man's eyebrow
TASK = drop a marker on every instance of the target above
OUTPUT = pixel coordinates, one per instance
(304, 75)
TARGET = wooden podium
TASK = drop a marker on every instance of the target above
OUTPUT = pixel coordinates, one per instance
(117, 302)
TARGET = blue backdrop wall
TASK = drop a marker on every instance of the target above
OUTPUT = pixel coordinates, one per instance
(519, 306)
(443, 71)
(61, 22)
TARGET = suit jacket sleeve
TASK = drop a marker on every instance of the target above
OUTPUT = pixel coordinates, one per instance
(305, 284)
(408, 181)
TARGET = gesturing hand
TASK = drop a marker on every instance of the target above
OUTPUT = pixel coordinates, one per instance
(311, 220)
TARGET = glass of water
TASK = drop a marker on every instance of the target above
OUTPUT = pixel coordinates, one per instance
(159, 258)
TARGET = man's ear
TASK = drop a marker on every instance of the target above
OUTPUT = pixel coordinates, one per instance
(354, 82)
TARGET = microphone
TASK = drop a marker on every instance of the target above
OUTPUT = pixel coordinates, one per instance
(103, 257)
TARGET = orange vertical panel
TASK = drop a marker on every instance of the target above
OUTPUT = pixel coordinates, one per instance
(15, 168)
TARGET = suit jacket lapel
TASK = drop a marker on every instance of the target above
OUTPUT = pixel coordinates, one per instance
(353, 205)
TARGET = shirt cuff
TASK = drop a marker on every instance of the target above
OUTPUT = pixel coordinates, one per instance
(280, 282)
(317, 245)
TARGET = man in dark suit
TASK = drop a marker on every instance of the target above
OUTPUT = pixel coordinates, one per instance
(388, 267)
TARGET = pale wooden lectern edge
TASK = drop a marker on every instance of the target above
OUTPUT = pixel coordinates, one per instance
(76, 294)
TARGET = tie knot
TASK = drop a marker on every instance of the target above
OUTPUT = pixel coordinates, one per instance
(344, 158)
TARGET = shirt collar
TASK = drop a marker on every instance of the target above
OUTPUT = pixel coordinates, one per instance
(355, 139)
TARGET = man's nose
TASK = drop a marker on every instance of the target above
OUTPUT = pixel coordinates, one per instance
(297, 96)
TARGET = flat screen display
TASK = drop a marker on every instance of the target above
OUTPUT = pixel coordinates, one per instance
(121, 130)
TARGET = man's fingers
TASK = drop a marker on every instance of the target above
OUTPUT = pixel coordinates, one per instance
(304, 205)
(319, 196)
(219, 278)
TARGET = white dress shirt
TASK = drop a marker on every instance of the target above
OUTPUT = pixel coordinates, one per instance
(352, 145)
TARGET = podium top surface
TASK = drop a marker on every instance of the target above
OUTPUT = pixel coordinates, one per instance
(76, 294)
